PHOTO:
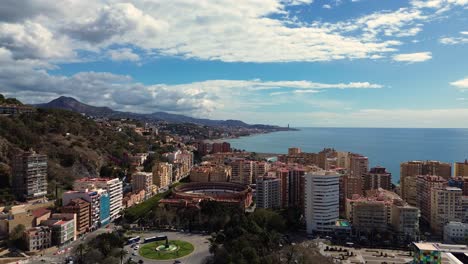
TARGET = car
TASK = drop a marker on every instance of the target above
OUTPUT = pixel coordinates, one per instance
(177, 262)
(133, 254)
(136, 247)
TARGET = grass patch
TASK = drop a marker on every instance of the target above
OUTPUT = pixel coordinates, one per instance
(149, 250)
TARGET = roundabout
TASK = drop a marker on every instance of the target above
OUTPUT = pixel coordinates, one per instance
(160, 250)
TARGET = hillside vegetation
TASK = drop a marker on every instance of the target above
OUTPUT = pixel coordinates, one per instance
(76, 146)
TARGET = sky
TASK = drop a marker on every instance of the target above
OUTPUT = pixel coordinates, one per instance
(307, 63)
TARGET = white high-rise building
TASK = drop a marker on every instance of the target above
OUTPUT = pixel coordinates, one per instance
(112, 186)
(268, 192)
(321, 200)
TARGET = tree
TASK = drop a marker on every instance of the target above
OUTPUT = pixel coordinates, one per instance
(80, 249)
(16, 237)
(122, 254)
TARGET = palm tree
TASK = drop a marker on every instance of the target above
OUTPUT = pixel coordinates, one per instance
(122, 254)
(80, 248)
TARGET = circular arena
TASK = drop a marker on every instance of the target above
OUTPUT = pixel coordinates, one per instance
(217, 191)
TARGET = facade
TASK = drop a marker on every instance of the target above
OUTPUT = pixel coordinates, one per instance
(260, 168)
(242, 171)
(112, 186)
(12, 109)
(380, 210)
(461, 169)
(456, 232)
(143, 181)
(446, 206)
(376, 178)
(93, 198)
(220, 173)
(38, 238)
(29, 176)
(132, 198)
(296, 187)
(200, 174)
(294, 151)
(459, 182)
(358, 167)
(162, 174)
(411, 169)
(465, 209)
(268, 192)
(104, 207)
(82, 209)
(405, 220)
(424, 185)
(63, 228)
(321, 201)
(367, 216)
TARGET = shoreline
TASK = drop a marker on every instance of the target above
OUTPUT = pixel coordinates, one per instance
(226, 139)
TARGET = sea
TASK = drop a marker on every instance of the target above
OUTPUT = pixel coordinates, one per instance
(387, 147)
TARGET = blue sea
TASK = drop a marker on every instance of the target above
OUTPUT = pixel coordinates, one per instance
(387, 147)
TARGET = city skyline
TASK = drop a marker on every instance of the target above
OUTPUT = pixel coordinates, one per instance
(347, 63)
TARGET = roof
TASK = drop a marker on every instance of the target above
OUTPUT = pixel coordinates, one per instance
(40, 212)
(425, 246)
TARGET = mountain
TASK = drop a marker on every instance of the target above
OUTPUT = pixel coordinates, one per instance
(71, 104)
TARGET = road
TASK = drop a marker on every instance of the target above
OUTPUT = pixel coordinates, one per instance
(198, 256)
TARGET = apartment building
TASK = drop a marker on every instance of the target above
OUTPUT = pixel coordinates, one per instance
(29, 176)
(113, 188)
(162, 175)
(38, 238)
(461, 169)
(82, 209)
(424, 185)
(321, 201)
(93, 198)
(358, 167)
(242, 171)
(376, 178)
(268, 191)
(405, 220)
(446, 206)
(456, 232)
(63, 228)
(411, 169)
(143, 181)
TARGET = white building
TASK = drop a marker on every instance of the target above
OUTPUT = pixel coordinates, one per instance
(112, 186)
(268, 192)
(321, 200)
(456, 232)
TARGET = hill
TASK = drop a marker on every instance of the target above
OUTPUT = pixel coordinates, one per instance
(69, 103)
(76, 146)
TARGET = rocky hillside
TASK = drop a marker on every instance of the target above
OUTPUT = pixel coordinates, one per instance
(77, 147)
(69, 103)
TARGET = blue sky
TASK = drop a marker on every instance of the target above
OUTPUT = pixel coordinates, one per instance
(345, 63)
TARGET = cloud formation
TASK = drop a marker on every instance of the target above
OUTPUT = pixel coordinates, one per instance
(461, 84)
(413, 57)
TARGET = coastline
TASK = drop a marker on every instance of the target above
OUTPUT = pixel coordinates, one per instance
(225, 139)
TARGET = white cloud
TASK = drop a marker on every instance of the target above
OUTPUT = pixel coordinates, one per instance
(413, 57)
(455, 40)
(123, 55)
(231, 31)
(461, 84)
(326, 6)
